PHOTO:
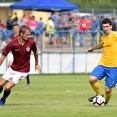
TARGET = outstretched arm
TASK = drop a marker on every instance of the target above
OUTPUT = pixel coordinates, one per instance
(96, 47)
(2, 58)
(37, 67)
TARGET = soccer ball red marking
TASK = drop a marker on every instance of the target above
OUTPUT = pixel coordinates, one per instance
(99, 101)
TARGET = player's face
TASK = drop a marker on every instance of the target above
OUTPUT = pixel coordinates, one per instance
(26, 35)
(107, 28)
(16, 29)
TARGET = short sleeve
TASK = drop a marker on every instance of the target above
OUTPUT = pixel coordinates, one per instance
(7, 49)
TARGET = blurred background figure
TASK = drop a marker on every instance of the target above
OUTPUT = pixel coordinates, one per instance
(40, 29)
(15, 34)
(9, 26)
(20, 22)
(3, 33)
(55, 18)
(25, 20)
(94, 29)
(50, 29)
(14, 17)
(60, 32)
(101, 30)
(114, 25)
(33, 25)
(73, 29)
(40, 25)
(82, 30)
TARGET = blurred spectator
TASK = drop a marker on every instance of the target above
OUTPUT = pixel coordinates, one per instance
(101, 30)
(50, 27)
(69, 15)
(25, 20)
(55, 18)
(82, 30)
(9, 26)
(3, 33)
(88, 22)
(29, 15)
(20, 22)
(15, 34)
(2, 25)
(60, 31)
(33, 25)
(40, 29)
(40, 25)
(73, 28)
(114, 28)
(94, 29)
(14, 17)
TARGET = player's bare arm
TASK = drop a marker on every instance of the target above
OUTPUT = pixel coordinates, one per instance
(2, 58)
(37, 67)
(96, 47)
(9, 39)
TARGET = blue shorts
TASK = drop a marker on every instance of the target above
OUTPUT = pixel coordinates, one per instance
(110, 75)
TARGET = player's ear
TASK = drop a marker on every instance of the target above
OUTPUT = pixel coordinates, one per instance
(21, 34)
(111, 26)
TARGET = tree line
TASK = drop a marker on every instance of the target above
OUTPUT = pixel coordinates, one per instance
(86, 3)
(95, 3)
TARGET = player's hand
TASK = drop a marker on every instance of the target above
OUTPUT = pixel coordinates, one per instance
(90, 50)
(37, 67)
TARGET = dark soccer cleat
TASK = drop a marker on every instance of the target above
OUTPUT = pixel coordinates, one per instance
(91, 98)
(2, 102)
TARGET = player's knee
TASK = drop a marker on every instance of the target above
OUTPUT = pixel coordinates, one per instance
(92, 79)
(1, 85)
(7, 88)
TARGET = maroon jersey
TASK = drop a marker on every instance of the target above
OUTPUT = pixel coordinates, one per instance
(21, 54)
(14, 36)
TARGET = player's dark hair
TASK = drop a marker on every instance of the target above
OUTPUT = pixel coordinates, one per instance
(106, 21)
(23, 29)
(15, 24)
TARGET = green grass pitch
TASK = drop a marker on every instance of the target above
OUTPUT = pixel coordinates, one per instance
(56, 96)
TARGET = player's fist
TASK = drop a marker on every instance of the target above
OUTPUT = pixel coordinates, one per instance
(90, 50)
(38, 68)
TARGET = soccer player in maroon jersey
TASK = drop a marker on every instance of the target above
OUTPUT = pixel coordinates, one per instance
(21, 49)
(15, 35)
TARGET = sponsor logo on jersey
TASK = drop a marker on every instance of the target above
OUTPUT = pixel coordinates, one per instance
(110, 36)
(17, 49)
(28, 49)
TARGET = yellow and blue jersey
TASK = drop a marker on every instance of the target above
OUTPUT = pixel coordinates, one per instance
(109, 45)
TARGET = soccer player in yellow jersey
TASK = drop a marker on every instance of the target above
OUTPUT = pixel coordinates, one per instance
(107, 65)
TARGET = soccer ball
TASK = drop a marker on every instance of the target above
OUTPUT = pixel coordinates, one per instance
(98, 101)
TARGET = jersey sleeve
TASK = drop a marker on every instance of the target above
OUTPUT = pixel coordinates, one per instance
(116, 36)
(7, 49)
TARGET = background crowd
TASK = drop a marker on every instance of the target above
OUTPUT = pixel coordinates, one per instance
(56, 30)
